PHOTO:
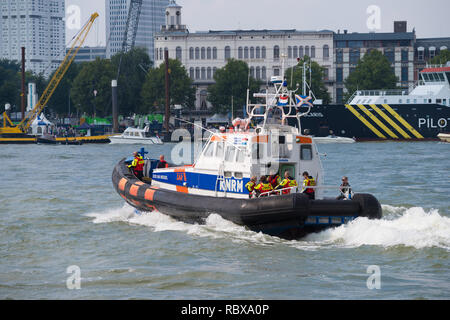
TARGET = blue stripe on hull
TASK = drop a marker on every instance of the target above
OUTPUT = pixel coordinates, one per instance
(202, 181)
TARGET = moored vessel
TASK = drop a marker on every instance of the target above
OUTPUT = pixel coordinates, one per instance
(418, 115)
(136, 136)
(445, 136)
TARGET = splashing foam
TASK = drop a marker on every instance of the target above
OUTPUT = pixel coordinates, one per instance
(400, 226)
(413, 227)
(215, 226)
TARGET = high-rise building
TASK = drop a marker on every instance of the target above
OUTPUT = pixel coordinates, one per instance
(37, 25)
(87, 54)
(151, 19)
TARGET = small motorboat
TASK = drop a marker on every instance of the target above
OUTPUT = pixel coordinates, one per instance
(444, 136)
(46, 139)
(216, 182)
(136, 136)
(333, 139)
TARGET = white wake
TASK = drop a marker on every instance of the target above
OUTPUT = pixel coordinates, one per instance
(400, 226)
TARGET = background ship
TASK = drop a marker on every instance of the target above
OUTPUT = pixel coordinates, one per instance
(420, 114)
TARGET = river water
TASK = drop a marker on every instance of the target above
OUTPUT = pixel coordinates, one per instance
(61, 218)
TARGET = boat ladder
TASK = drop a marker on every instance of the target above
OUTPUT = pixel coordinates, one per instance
(221, 179)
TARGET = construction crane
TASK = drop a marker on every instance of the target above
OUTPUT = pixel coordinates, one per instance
(129, 36)
(128, 41)
(131, 27)
(24, 125)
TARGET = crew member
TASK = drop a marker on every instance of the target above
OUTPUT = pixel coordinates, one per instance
(274, 180)
(287, 183)
(137, 165)
(263, 187)
(308, 182)
(346, 190)
(162, 163)
(250, 186)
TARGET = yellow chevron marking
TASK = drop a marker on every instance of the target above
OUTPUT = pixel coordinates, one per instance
(378, 122)
(402, 121)
(367, 123)
(392, 123)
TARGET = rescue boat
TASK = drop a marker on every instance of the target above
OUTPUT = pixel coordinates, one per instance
(215, 182)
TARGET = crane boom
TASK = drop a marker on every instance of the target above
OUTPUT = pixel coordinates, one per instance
(131, 27)
(26, 122)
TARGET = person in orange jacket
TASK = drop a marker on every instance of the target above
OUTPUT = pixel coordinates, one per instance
(137, 165)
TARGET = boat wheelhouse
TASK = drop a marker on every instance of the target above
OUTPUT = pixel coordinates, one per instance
(230, 158)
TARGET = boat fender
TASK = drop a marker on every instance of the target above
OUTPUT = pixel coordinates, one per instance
(369, 205)
(301, 204)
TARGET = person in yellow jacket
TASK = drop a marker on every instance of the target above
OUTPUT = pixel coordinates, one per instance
(250, 186)
(263, 186)
(287, 183)
(137, 165)
(309, 182)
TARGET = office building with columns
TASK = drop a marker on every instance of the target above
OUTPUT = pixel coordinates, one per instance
(202, 53)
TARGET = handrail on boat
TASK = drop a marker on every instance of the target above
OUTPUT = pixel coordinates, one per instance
(291, 190)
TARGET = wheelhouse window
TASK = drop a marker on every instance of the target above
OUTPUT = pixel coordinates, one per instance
(306, 152)
(240, 155)
(209, 151)
(219, 150)
(258, 150)
(229, 153)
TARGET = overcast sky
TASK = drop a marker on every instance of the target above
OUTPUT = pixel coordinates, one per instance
(430, 18)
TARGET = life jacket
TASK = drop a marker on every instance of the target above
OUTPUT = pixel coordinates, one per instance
(275, 180)
(286, 184)
(250, 186)
(163, 164)
(138, 163)
(264, 187)
(309, 182)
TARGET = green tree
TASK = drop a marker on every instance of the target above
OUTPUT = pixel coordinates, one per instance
(59, 102)
(9, 82)
(134, 66)
(442, 58)
(91, 88)
(231, 83)
(294, 77)
(153, 91)
(372, 72)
